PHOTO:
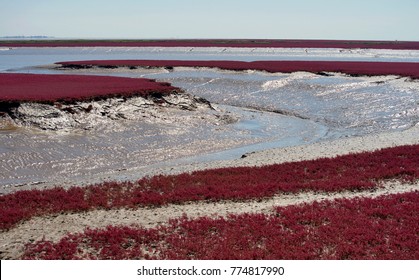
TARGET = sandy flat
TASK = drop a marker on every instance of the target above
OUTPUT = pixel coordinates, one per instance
(331, 148)
(297, 153)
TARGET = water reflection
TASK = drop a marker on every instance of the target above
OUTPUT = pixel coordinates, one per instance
(273, 110)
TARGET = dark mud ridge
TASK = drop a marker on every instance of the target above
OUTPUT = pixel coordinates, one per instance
(60, 102)
(89, 115)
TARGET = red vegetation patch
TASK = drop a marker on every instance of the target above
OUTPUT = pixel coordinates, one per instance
(407, 69)
(400, 45)
(349, 172)
(51, 88)
(381, 228)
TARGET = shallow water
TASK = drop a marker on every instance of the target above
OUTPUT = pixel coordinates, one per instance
(37, 157)
(273, 110)
(23, 57)
(347, 105)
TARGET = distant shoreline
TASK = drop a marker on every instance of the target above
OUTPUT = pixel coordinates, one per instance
(228, 43)
(36, 37)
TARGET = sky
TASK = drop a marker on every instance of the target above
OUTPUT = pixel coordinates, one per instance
(184, 19)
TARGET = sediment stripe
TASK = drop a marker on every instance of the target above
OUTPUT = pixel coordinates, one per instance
(356, 68)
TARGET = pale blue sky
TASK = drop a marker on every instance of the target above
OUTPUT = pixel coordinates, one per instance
(282, 19)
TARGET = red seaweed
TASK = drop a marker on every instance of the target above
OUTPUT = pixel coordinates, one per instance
(70, 88)
(349, 172)
(406, 69)
(357, 229)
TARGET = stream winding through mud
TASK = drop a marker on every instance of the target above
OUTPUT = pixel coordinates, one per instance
(269, 111)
